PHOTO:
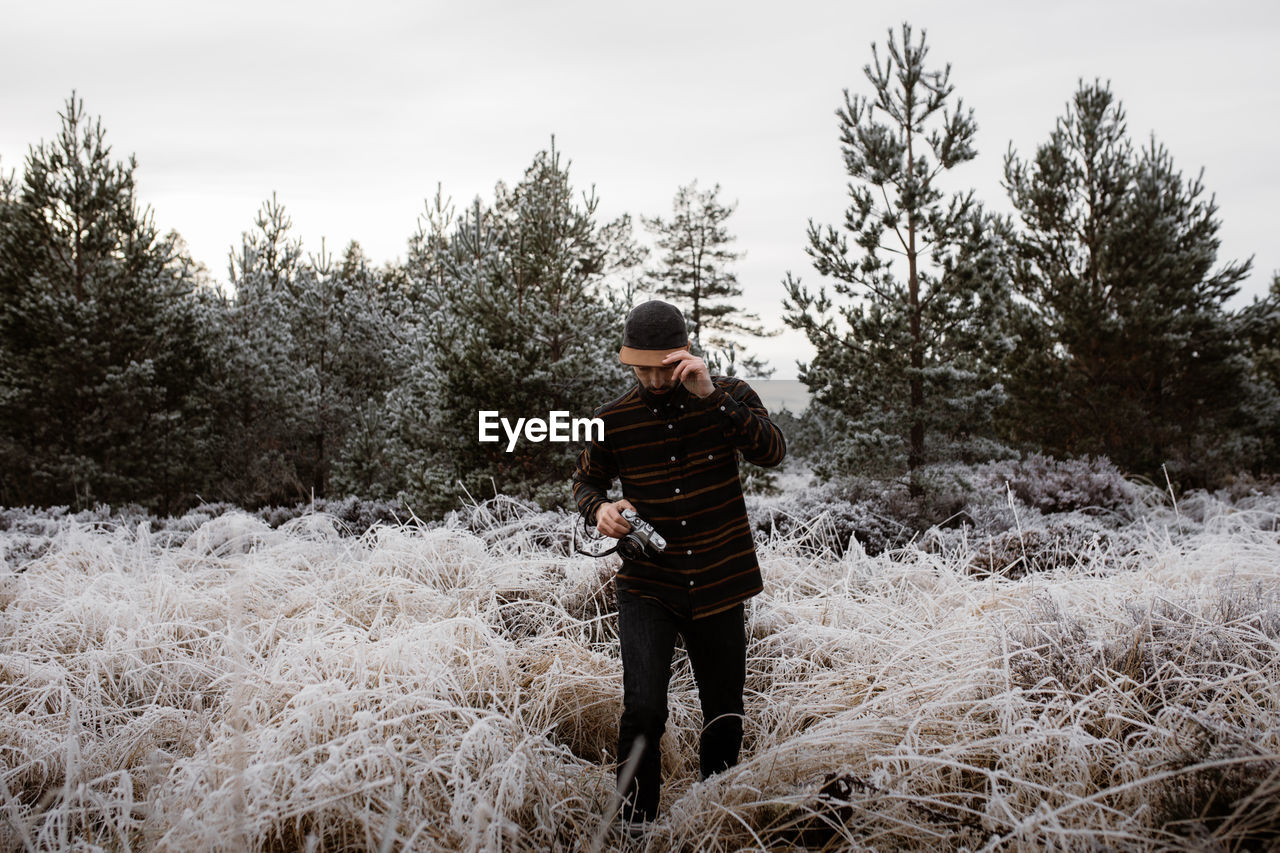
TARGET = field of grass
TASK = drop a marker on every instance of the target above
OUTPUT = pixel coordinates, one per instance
(1106, 681)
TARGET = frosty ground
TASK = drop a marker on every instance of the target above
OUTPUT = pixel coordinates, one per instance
(1021, 678)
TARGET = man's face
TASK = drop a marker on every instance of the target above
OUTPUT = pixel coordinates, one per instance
(657, 380)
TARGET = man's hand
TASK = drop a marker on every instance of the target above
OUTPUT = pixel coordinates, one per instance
(609, 520)
(692, 371)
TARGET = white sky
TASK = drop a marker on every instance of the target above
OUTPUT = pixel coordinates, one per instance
(352, 113)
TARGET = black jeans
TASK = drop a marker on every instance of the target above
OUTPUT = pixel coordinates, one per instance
(717, 647)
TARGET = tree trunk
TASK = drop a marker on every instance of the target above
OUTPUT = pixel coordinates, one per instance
(915, 453)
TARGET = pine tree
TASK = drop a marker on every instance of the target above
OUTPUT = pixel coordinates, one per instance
(264, 394)
(1258, 326)
(405, 425)
(424, 270)
(696, 275)
(103, 345)
(354, 347)
(310, 354)
(911, 361)
(1126, 349)
(518, 317)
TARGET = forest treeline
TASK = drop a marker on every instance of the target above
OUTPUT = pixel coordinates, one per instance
(1091, 322)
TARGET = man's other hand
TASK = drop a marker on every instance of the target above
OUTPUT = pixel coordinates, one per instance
(609, 520)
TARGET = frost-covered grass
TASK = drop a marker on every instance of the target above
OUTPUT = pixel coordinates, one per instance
(240, 687)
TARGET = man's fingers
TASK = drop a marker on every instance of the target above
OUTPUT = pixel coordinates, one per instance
(688, 370)
(686, 364)
(609, 520)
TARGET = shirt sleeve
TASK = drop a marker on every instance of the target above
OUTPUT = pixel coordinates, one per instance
(749, 428)
(592, 478)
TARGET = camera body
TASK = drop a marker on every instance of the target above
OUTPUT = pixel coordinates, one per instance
(642, 540)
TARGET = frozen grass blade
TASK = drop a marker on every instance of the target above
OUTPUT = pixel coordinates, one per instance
(615, 799)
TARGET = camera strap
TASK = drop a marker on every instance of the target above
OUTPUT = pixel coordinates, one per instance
(601, 554)
(588, 553)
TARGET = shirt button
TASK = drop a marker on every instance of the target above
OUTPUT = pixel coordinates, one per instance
(711, 456)
(690, 583)
(683, 523)
(722, 408)
(690, 553)
(682, 405)
(671, 426)
(677, 491)
(673, 459)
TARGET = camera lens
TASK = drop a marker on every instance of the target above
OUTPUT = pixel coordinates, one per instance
(631, 547)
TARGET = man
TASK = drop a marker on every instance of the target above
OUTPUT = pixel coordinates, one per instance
(673, 441)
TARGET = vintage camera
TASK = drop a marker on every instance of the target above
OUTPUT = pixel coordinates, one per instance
(642, 541)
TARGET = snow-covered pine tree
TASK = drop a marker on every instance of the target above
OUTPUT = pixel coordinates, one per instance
(423, 273)
(909, 356)
(344, 331)
(414, 462)
(264, 394)
(695, 274)
(371, 324)
(388, 363)
(1125, 349)
(517, 315)
(103, 336)
(310, 352)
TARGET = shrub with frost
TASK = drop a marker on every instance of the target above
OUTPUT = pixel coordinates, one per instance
(1061, 485)
(828, 517)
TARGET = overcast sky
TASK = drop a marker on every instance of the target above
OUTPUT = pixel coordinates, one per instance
(352, 113)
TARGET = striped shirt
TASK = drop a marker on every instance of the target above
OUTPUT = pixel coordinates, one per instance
(677, 458)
